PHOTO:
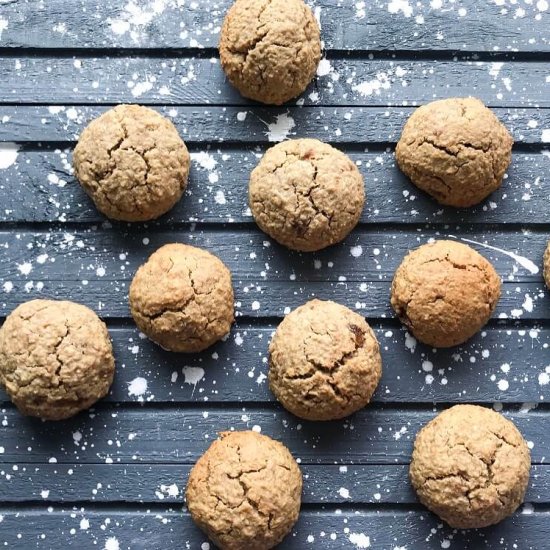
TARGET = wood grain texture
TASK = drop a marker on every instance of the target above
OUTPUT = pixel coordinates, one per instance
(324, 529)
(165, 484)
(41, 188)
(212, 125)
(174, 434)
(113, 478)
(201, 81)
(483, 26)
(235, 371)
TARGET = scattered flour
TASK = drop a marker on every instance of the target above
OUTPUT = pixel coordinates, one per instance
(137, 387)
(141, 88)
(324, 67)
(193, 375)
(167, 491)
(205, 160)
(370, 87)
(111, 544)
(343, 492)
(360, 540)
(136, 15)
(524, 262)
(395, 6)
(3, 26)
(279, 130)
(8, 154)
(220, 197)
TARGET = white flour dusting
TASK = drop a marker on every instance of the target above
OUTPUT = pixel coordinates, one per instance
(136, 15)
(8, 154)
(324, 67)
(137, 387)
(141, 88)
(111, 544)
(193, 375)
(522, 261)
(360, 540)
(3, 26)
(395, 6)
(279, 130)
(370, 87)
(205, 160)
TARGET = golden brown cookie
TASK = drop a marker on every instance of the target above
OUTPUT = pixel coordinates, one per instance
(306, 194)
(270, 49)
(132, 163)
(56, 358)
(245, 491)
(182, 298)
(470, 466)
(324, 361)
(444, 292)
(456, 150)
(546, 270)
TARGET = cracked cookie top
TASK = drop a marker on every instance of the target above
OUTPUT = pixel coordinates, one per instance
(306, 194)
(182, 298)
(546, 266)
(132, 163)
(324, 361)
(456, 150)
(270, 49)
(444, 292)
(56, 358)
(245, 491)
(470, 466)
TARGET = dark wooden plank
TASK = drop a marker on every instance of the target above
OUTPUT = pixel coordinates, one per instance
(140, 483)
(483, 26)
(89, 527)
(267, 298)
(211, 124)
(192, 81)
(180, 435)
(40, 187)
(112, 255)
(235, 371)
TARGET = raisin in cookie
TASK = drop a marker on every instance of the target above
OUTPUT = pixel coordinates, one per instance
(306, 194)
(324, 361)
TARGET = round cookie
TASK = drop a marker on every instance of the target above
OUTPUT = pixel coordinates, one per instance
(306, 194)
(324, 361)
(56, 358)
(270, 49)
(470, 466)
(132, 163)
(546, 270)
(182, 298)
(456, 150)
(444, 292)
(245, 491)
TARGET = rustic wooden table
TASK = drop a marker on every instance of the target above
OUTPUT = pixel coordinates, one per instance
(114, 478)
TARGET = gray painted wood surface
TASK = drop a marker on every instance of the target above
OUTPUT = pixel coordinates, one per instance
(113, 478)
